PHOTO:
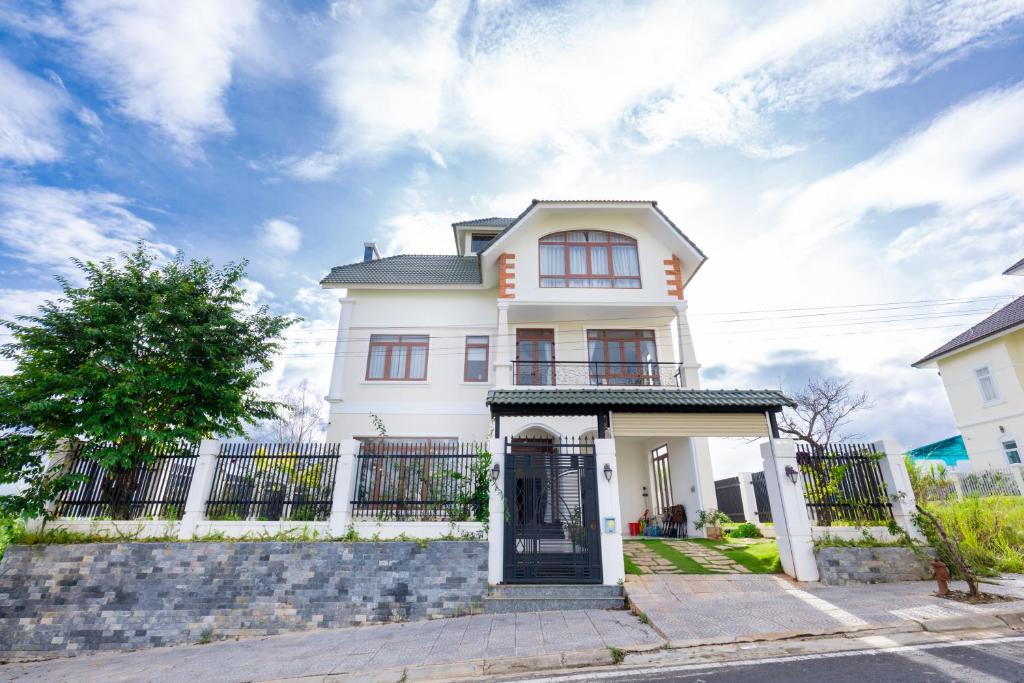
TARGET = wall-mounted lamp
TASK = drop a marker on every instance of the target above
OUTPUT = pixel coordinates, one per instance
(645, 491)
(495, 472)
(792, 473)
(607, 472)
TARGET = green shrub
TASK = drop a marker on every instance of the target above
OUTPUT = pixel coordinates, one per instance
(10, 530)
(745, 530)
(988, 531)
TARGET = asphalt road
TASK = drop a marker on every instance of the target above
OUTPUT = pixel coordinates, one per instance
(1000, 659)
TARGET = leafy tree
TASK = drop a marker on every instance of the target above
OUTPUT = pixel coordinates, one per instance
(141, 357)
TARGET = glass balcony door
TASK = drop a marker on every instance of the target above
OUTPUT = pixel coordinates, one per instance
(623, 357)
(535, 357)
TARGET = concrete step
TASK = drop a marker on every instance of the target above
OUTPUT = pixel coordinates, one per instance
(545, 598)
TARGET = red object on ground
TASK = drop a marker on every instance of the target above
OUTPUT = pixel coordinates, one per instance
(634, 528)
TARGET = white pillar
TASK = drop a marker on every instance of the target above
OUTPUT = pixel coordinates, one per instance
(503, 349)
(1017, 475)
(199, 490)
(686, 355)
(496, 516)
(344, 484)
(747, 497)
(608, 507)
(704, 477)
(897, 485)
(341, 348)
(789, 510)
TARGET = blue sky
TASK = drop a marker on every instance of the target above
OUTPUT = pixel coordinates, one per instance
(833, 158)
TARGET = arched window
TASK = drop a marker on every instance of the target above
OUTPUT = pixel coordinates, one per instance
(589, 258)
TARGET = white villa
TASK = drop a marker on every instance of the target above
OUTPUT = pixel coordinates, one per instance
(567, 322)
(982, 370)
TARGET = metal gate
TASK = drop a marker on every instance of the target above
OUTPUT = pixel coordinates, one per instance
(764, 508)
(727, 492)
(551, 526)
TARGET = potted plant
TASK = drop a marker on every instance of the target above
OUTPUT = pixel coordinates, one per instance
(711, 522)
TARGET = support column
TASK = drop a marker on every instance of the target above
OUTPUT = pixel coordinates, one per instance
(608, 507)
(496, 516)
(955, 478)
(686, 355)
(747, 497)
(897, 485)
(341, 347)
(199, 490)
(344, 481)
(704, 476)
(503, 350)
(1017, 475)
(789, 510)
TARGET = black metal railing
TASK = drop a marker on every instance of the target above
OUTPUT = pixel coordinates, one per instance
(761, 499)
(422, 482)
(844, 484)
(596, 373)
(156, 489)
(730, 501)
(273, 482)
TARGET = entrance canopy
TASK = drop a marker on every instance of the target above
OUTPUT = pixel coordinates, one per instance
(646, 411)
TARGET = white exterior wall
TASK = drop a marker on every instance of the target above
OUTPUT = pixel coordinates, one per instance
(978, 421)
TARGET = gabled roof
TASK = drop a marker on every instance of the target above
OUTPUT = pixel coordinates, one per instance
(1016, 269)
(492, 222)
(1005, 318)
(677, 400)
(408, 270)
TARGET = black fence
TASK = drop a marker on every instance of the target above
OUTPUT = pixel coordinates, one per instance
(423, 482)
(273, 482)
(844, 484)
(761, 500)
(727, 493)
(156, 489)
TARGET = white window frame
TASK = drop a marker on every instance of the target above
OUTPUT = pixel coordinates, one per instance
(995, 387)
(1007, 439)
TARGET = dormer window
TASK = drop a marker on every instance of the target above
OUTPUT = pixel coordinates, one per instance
(478, 241)
(589, 258)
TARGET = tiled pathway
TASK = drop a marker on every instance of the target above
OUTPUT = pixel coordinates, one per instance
(651, 562)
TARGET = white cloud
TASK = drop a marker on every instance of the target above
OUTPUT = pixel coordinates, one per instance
(279, 235)
(30, 112)
(167, 64)
(47, 226)
(519, 80)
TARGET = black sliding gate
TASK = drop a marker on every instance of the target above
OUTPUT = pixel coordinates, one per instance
(551, 525)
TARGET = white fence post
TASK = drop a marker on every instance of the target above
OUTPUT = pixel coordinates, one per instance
(496, 515)
(199, 490)
(612, 562)
(344, 480)
(897, 485)
(747, 497)
(789, 510)
(1017, 475)
(956, 479)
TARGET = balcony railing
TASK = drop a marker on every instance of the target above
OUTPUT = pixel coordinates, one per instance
(535, 373)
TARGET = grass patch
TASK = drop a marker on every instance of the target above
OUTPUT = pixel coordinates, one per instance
(989, 532)
(684, 563)
(759, 558)
(631, 567)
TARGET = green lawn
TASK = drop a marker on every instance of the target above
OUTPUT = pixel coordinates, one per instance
(683, 563)
(630, 567)
(759, 558)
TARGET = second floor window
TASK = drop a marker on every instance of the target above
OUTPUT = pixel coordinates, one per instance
(623, 357)
(476, 359)
(986, 385)
(1012, 451)
(397, 357)
(589, 258)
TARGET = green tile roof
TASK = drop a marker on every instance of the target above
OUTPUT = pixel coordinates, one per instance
(682, 399)
(408, 270)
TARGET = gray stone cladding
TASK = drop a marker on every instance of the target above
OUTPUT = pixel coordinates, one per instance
(852, 566)
(69, 599)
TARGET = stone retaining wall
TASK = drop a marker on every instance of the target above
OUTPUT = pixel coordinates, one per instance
(851, 566)
(66, 599)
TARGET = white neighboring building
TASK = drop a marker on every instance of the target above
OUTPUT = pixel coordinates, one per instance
(982, 370)
(567, 321)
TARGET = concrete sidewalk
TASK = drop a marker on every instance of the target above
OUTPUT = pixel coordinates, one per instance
(462, 646)
(706, 609)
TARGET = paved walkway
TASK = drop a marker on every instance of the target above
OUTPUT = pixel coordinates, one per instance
(650, 562)
(721, 608)
(356, 650)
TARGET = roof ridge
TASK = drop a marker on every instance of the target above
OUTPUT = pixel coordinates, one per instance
(973, 334)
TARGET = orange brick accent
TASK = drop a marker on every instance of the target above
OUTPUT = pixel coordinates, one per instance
(507, 276)
(674, 276)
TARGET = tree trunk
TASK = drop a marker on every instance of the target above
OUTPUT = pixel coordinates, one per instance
(954, 552)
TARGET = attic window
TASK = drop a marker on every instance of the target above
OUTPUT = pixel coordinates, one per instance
(589, 258)
(478, 241)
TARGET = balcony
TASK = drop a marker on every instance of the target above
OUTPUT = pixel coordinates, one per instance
(596, 374)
